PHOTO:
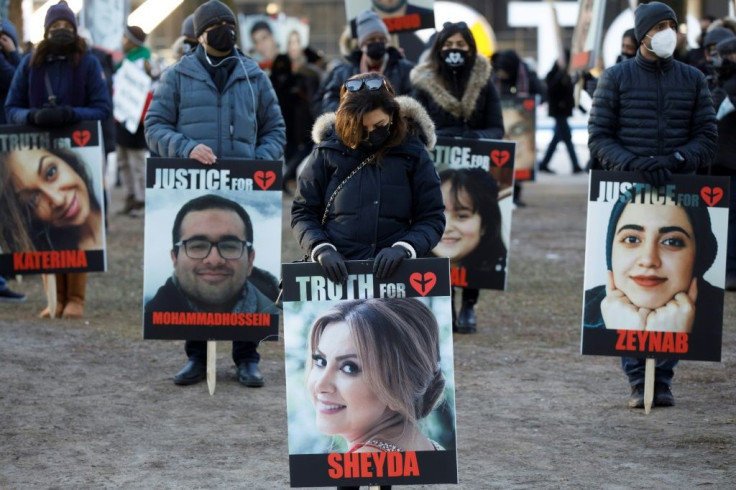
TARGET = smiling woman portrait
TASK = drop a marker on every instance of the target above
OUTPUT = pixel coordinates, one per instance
(374, 373)
(49, 202)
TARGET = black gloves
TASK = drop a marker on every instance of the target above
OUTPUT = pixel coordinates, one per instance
(388, 260)
(333, 264)
(681, 165)
(654, 170)
(50, 117)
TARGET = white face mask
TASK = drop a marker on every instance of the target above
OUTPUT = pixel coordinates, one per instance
(663, 43)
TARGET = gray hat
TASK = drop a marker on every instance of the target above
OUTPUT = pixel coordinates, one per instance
(367, 23)
(187, 27)
(211, 13)
(648, 15)
(716, 35)
(727, 46)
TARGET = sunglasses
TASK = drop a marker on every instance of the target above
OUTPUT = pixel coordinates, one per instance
(459, 25)
(370, 84)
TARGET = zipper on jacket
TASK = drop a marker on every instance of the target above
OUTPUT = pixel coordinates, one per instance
(660, 111)
(232, 123)
(219, 124)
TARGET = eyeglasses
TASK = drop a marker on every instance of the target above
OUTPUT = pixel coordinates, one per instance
(371, 84)
(459, 25)
(199, 248)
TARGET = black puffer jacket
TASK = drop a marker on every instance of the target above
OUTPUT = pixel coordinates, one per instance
(397, 201)
(725, 162)
(476, 115)
(397, 71)
(644, 108)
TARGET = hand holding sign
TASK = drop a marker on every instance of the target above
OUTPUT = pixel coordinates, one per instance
(618, 312)
(203, 154)
(677, 315)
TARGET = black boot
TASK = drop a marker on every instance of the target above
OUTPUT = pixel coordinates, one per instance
(466, 318)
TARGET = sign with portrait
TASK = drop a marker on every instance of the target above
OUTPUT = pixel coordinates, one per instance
(105, 20)
(369, 375)
(655, 263)
(586, 39)
(520, 124)
(52, 201)
(477, 178)
(212, 249)
(263, 37)
(398, 15)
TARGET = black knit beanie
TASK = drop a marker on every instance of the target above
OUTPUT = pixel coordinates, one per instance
(211, 13)
(648, 15)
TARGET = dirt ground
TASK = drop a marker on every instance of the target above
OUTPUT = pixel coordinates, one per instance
(89, 404)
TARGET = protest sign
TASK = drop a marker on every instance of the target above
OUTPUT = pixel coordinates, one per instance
(399, 17)
(349, 350)
(263, 37)
(212, 249)
(655, 267)
(52, 218)
(477, 178)
(520, 124)
(586, 39)
(132, 90)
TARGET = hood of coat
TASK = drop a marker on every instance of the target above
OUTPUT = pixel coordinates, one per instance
(419, 122)
(423, 78)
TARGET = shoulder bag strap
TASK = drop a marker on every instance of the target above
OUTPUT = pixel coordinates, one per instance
(342, 184)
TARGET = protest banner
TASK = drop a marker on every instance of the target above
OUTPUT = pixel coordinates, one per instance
(52, 203)
(349, 352)
(212, 249)
(587, 36)
(132, 94)
(477, 178)
(655, 267)
(520, 125)
(398, 16)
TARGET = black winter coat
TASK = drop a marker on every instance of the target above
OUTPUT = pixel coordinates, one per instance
(397, 71)
(725, 162)
(559, 92)
(644, 108)
(476, 115)
(398, 200)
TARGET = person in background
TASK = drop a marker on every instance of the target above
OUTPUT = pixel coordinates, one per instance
(374, 55)
(9, 60)
(624, 133)
(187, 42)
(60, 84)
(264, 44)
(454, 85)
(185, 118)
(628, 46)
(131, 147)
(712, 59)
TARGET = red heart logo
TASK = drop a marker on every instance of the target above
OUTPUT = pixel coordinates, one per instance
(264, 180)
(423, 284)
(500, 157)
(81, 138)
(529, 104)
(711, 196)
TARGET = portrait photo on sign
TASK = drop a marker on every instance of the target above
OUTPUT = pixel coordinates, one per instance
(519, 121)
(51, 199)
(369, 373)
(655, 262)
(399, 15)
(160, 251)
(263, 37)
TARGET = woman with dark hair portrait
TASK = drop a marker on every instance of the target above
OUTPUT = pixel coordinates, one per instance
(369, 190)
(656, 257)
(59, 84)
(455, 87)
(472, 237)
(374, 373)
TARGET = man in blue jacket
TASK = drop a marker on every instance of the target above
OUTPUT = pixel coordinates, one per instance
(214, 104)
(653, 115)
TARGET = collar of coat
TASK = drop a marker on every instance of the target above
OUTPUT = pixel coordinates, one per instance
(423, 78)
(416, 116)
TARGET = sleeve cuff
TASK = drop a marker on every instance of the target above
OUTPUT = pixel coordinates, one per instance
(408, 247)
(315, 250)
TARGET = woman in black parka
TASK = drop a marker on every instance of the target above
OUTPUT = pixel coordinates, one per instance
(390, 209)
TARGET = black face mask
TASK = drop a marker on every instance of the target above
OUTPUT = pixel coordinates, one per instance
(222, 38)
(454, 58)
(375, 51)
(376, 138)
(62, 38)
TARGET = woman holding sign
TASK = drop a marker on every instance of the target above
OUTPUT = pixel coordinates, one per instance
(57, 85)
(455, 87)
(369, 190)
(375, 372)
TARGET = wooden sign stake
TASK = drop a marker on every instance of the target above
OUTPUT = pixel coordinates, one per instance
(49, 284)
(648, 384)
(211, 366)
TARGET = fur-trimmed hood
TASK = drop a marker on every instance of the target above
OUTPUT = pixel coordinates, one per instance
(423, 78)
(416, 116)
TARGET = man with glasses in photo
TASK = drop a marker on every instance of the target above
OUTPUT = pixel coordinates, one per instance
(212, 253)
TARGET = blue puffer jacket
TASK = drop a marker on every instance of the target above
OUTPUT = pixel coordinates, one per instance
(94, 96)
(244, 121)
(397, 201)
(644, 108)
(8, 64)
